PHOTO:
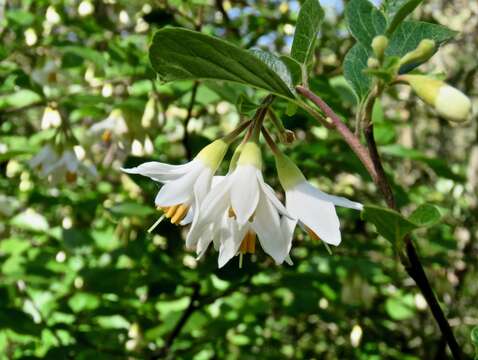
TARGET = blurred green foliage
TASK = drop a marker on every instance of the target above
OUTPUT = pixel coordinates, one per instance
(79, 275)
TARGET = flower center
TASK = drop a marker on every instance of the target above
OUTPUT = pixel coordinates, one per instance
(248, 244)
(70, 176)
(106, 136)
(175, 213)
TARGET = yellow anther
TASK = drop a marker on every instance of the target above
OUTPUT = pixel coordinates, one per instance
(231, 213)
(171, 211)
(248, 244)
(180, 213)
(70, 176)
(106, 136)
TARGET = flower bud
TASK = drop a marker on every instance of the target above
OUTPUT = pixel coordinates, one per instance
(424, 51)
(373, 63)
(379, 44)
(450, 103)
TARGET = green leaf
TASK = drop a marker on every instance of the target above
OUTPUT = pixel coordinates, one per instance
(364, 21)
(131, 209)
(181, 54)
(397, 11)
(294, 67)
(92, 55)
(308, 25)
(394, 227)
(354, 65)
(409, 34)
(275, 64)
(425, 215)
(389, 223)
(19, 99)
(21, 17)
(474, 336)
(400, 308)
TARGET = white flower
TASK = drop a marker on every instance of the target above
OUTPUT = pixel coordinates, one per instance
(56, 166)
(240, 206)
(114, 126)
(184, 185)
(312, 208)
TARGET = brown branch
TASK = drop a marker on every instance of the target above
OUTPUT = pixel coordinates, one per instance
(372, 162)
(347, 135)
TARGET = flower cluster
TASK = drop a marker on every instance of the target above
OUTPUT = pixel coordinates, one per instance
(235, 210)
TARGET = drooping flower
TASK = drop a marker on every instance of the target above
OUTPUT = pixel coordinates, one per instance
(239, 208)
(57, 166)
(311, 208)
(112, 127)
(184, 185)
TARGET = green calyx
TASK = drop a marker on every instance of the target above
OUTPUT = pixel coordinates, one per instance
(213, 154)
(288, 172)
(250, 155)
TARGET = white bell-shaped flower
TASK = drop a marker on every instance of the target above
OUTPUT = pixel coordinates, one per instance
(312, 208)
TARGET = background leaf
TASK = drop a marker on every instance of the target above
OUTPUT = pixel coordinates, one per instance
(306, 29)
(355, 63)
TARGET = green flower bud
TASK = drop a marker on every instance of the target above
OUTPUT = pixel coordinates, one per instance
(213, 153)
(379, 44)
(449, 102)
(373, 63)
(424, 51)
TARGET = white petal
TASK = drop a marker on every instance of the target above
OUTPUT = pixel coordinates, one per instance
(288, 227)
(339, 201)
(305, 202)
(70, 161)
(270, 193)
(163, 172)
(232, 235)
(268, 228)
(179, 191)
(201, 187)
(244, 192)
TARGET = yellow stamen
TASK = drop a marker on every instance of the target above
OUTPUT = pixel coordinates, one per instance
(106, 136)
(170, 211)
(70, 176)
(312, 234)
(231, 213)
(180, 214)
(248, 244)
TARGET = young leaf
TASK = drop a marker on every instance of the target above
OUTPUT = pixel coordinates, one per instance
(294, 67)
(181, 54)
(355, 63)
(398, 11)
(308, 25)
(365, 21)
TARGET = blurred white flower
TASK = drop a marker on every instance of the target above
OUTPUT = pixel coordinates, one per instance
(52, 16)
(111, 128)
(85, 8)
(57, 167)
(51, 118)
(31, 37)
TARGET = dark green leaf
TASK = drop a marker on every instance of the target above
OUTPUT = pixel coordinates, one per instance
(18, 321)
(365, 21)
(307, 27)
(398, 10)
(474, 335)
(180, 54)
(409, 34)
(354, 65)
(92, 55)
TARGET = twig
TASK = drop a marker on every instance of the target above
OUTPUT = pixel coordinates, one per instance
(348, 136)
(372, 162)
